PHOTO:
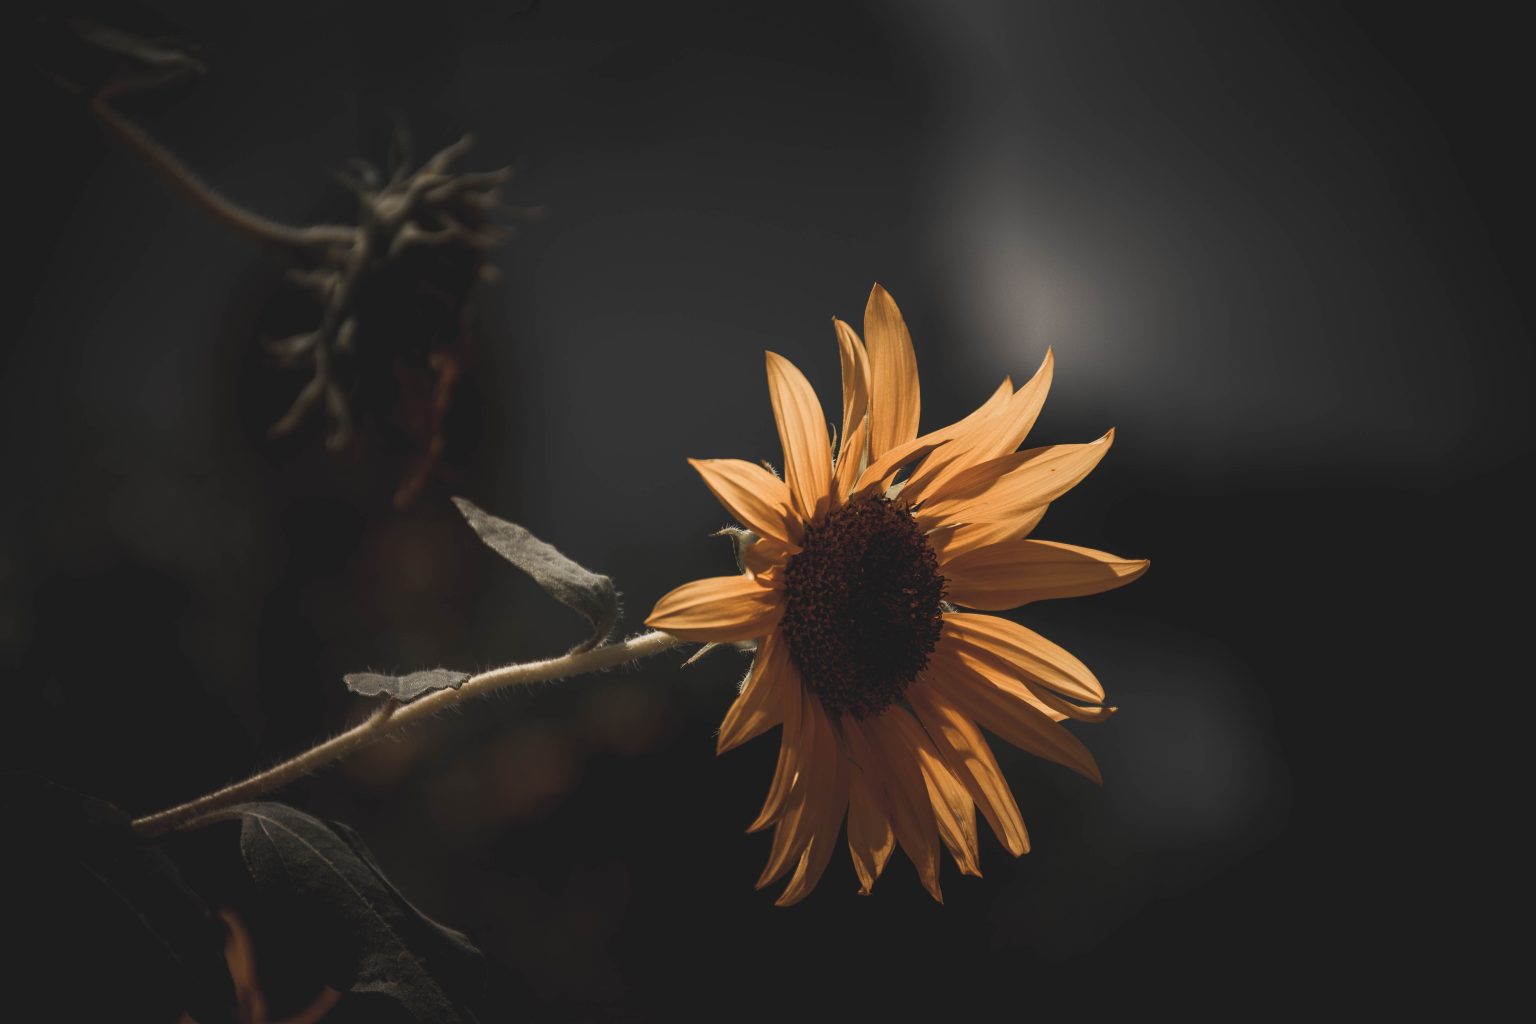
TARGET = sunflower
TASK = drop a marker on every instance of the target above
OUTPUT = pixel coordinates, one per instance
(856, 566)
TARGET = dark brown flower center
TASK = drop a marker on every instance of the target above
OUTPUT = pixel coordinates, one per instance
(863, 606)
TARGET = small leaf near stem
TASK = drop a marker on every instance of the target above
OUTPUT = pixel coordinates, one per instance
(404, 688)
(587, 592)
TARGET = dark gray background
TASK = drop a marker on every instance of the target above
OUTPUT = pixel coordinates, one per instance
(1283, 252)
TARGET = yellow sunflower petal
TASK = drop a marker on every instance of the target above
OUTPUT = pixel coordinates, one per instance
(792, 751)
(855, 364)
(870, 838)
(876, 476)
(759, 500)
(765, 556)
(1017, 572)
(759, 707)
(825, 819)
(970, 757)
(1006, 487)
(1026, 652)
(812, 794)
(985, 439)
(803, 434)
(1016, 678)
(894, 396)
(718, 608)
(849, 464)
(971, 689)
(907, 795)
(957, 432)
(957, 540)
(953, 810)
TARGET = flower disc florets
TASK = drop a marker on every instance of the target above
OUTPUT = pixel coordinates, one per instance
(863, 606)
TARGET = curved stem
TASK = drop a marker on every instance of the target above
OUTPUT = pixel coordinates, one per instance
(394, 716)
(201, 195)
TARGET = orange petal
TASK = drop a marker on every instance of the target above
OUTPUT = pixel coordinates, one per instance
(870, 839)
(1017, 675)
(962, 433)
(718, 608)
(877, 475)
(763, 557)
(1026, 652)
(759, 706)
(803, 434)
(1017, 572)
(987, 439)
(791, 751)
(849, 464)
(240, 954)
(953, 810)
(759, 500)
(957, 540)
(975, 691)
(907, 796)
(970, 757)
(826, 819)
(1008, 486)
(894, 396)
(323, 1004)
(810, 793)
(855, 364)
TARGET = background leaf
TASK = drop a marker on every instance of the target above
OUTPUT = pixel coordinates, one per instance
(375, 942)
(587, 592)
(108, 913)
(404, 688)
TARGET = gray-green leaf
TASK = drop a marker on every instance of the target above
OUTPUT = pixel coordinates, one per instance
(405, 688)
(587, 592)
(372, 937)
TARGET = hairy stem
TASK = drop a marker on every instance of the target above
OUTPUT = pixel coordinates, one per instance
(394, 716)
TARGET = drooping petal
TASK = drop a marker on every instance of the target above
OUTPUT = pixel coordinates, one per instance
(970, 757)
(870, 838)
(811, 795)
(953, 810)
(825, 820)
(986, 439)
(855, 365)
(792, 751)
(907, 796)
(970, 689)
(957, 540)
(1026, 652)
(1017, 572)
(718, 608)
(803, 434)
(1008, 486)
(894, 398)
(759, 500)
(759, 707)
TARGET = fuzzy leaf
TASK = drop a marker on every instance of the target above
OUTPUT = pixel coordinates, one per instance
(377, 944)
(587, 592)
(111, 910)
(404, 688)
